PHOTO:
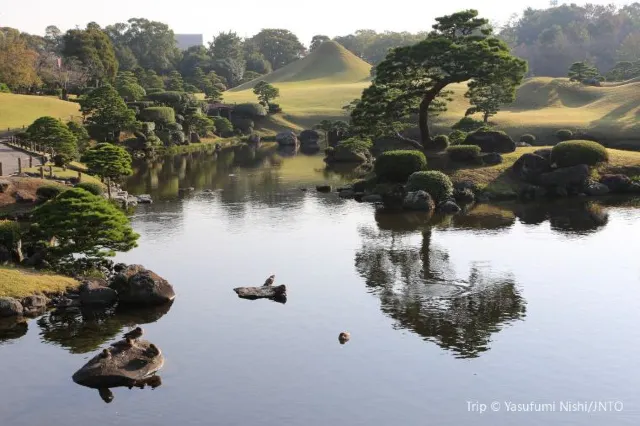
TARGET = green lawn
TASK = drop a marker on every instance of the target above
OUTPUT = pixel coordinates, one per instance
(20, 283)
(22, 110)
(58, 172)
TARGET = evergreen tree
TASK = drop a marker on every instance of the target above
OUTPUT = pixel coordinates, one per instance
(54, 136)
(107, 113)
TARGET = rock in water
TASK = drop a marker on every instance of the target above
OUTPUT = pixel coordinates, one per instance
(139, 286)
(309, 138)
(93, 293)
(529, 167)
(287, 139)
(618, 184)
(124, 367)
(595, 189)
(264, 292)
(448, 207)
(418, 200)
(566, 176)
(10, 307)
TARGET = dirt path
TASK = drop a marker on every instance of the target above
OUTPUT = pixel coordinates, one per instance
(9, 159)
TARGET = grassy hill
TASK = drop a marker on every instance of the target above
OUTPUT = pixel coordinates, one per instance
(313, 88)
(319, 85)
(21, 110)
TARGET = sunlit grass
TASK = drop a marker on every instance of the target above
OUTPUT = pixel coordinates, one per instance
(22, 110)
(20, 283)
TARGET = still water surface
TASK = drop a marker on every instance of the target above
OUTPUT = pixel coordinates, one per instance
(522, 304)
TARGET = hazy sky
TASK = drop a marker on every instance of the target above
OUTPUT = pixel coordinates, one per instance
(247, 17)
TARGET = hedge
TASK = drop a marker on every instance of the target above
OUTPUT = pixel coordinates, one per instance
(250, 110)
(464, 153)
(437, 184)
(94, 188)
(564, 134)
(572, 153)
(163, 115)
(397, 166)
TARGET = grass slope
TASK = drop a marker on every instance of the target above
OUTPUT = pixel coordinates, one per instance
(22, 110)
(313, 88)
(20, 283)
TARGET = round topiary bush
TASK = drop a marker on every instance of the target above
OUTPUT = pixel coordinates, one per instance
(564, 134)
(60, 160)
(440, 142)
(174, 126)
(397, 166)
(464, 153)
(468, 124)
(48, 192)
(572, 153)
(94, 188)
(528, 138)
(159, 115)
(457, 137)
(437, 184)
(223, 126)
(244, 125)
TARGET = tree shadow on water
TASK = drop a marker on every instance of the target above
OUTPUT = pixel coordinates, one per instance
(419, 289)
(82, 330)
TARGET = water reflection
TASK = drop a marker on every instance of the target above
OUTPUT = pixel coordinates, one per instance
(568, 217)
(418, 286)
(82, 330)
(12, 329)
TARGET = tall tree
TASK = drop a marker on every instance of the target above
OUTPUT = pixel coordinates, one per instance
(413, 79)
(227, 46)
(94, 50)
(280, 47)
(83, 224)
(128, 87)
(17, 60)
(107, 113)
(175, 82)
(194, 57)
(317, 40)
(153, 80)
(488, 99)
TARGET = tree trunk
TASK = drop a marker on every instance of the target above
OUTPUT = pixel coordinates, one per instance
(423, 114)
(486, 117)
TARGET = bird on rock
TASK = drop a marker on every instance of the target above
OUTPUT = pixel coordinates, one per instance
(269, 281)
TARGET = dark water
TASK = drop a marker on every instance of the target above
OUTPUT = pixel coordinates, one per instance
(509, 304)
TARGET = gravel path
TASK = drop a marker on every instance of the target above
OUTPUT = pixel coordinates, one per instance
(9, 159)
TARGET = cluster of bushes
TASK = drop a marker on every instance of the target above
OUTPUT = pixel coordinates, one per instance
(159, 115)
(4, 88)
(574, 152)
(440, 142)
(457, 137)
(48, 192)
(397, 166)
(468, 124)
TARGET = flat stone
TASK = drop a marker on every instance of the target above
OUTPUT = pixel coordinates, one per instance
(347, 194)
(596, 188)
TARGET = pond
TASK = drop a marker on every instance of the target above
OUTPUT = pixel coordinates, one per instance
(505, 303)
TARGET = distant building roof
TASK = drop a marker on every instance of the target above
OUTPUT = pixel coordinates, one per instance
(186, 41)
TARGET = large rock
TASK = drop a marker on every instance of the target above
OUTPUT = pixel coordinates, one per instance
(529, 167)
(139, 286)
(24, 197)
(287, 139)
(544, 153)
(464, 196)
(340, 154)
(4, 185)
(595, 189)
(418, 200)
(309, 137)
(96, 293)
(10, 307)
(617, 184)
(372, 198)
(491, 141)
(124, 367)
(34, 305)
(575, 176)
(448, 207)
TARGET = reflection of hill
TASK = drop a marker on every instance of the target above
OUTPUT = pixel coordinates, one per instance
(83, 330)
(570, 216)
(419, 289)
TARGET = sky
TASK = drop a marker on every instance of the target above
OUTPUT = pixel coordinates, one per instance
(247, 17)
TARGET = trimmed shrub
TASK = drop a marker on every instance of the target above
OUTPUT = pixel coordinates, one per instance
(437, 184)
(491, 141)
(457, 137)
(179, 118)
(159, 115)
(4, 88)
(564, 134)
(148, 128)
(274, 108)
(397, 166)
(222, 125)
(154, 90)
(10, 233)
(572, 153)
(464, 153)
(250, 110)
(440, 142)
(356, 144)
(244, 125)
(527, 138)
(190, 88)
(91, 187)
(48, 192)
(174, 126)
(468, 124)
